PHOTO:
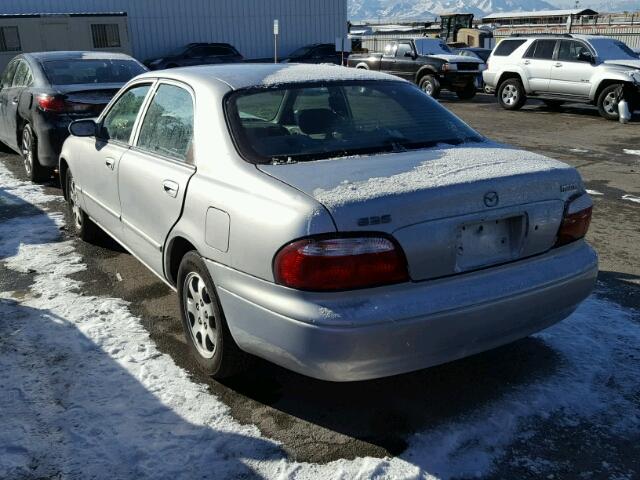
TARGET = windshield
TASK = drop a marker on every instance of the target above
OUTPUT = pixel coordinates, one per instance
(81, 71)
(610, 49)
(301, 52)
(338, 119)
(432, 46)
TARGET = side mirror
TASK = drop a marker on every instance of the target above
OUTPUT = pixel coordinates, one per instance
(83, 128)
(410, 54)
(586, 57)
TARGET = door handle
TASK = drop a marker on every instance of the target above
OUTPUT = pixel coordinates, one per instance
(558, 64)
(170, 188)
(110, 163)
(527, 62)
(14, 100)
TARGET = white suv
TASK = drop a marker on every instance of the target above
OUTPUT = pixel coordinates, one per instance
(564, 68)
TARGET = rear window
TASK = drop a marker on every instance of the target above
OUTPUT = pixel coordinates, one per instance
(507, 47)
(82, 71)
(338, 119)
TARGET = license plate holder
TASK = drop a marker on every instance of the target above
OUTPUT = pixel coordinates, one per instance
(488, 242)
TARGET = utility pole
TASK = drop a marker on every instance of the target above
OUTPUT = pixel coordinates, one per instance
(276, 32)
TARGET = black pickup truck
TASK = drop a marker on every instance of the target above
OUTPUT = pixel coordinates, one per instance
(426, 61)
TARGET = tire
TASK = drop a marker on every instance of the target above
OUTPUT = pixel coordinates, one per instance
(608, 101)
(553, 104)
(511, 94)
(29, 152)
(205, 327)
(82, 225)
(430, 85)
(467, 93)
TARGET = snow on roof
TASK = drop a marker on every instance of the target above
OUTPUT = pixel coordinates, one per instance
(541, 13)
(248, 75)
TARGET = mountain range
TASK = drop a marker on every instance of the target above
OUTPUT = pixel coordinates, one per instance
(417, 10)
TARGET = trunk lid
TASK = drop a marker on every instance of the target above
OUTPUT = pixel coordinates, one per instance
(88, 99)
(452, 209)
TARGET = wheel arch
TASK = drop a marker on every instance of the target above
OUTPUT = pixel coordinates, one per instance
(177, 247)
(425, 70)
(63, 168)
(21, 122)
(504, 76)
(604, 84)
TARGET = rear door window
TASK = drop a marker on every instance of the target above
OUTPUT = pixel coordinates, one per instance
(7, 76)
(118, 123)
(21, 76)
(541, 50)
(507, 47)
(167, 128)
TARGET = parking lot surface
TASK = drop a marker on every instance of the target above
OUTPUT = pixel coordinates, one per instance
(562, 404)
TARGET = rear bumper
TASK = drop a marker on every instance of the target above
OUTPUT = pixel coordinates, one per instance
(51, 132)
(384, 331)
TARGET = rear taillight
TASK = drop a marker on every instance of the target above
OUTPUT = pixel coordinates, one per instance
(57, 104)
(51, 103)
(576, 220)
(341, 263)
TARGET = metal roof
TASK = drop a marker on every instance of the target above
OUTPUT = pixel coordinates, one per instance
(73, 14)
(540, 13)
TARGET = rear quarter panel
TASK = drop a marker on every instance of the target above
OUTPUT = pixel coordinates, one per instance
(262, 213)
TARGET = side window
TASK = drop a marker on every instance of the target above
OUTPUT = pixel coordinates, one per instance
(7, 76)
(541, 50)
(390, 49)
(105, 35)
(507, 47)
(167, 128)
(324, 51)
(197, 52)
(20, 77)
(9, 39)
(570, 51)
(403, 49)
(118, 122)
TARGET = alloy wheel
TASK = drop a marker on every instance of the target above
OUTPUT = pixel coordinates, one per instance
(200, 315)
(27, 152)
(509, 95)
(75, 208)
(610, 104)
(427, 87)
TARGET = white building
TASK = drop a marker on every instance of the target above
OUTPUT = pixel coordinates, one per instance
(157, 26)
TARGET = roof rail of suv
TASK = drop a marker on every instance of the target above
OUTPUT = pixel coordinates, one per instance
(529, 35)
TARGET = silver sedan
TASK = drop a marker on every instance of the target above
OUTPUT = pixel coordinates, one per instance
(335, 221)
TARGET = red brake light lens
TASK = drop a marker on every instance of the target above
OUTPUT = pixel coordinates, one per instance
(51, 103)
(343, 263)
(576, 221)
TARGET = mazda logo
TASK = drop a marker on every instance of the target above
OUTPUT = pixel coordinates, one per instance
(491, 199)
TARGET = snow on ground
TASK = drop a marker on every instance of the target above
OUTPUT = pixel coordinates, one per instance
(631, 152)
(85, 393)
(594, 192)
(631, 198)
